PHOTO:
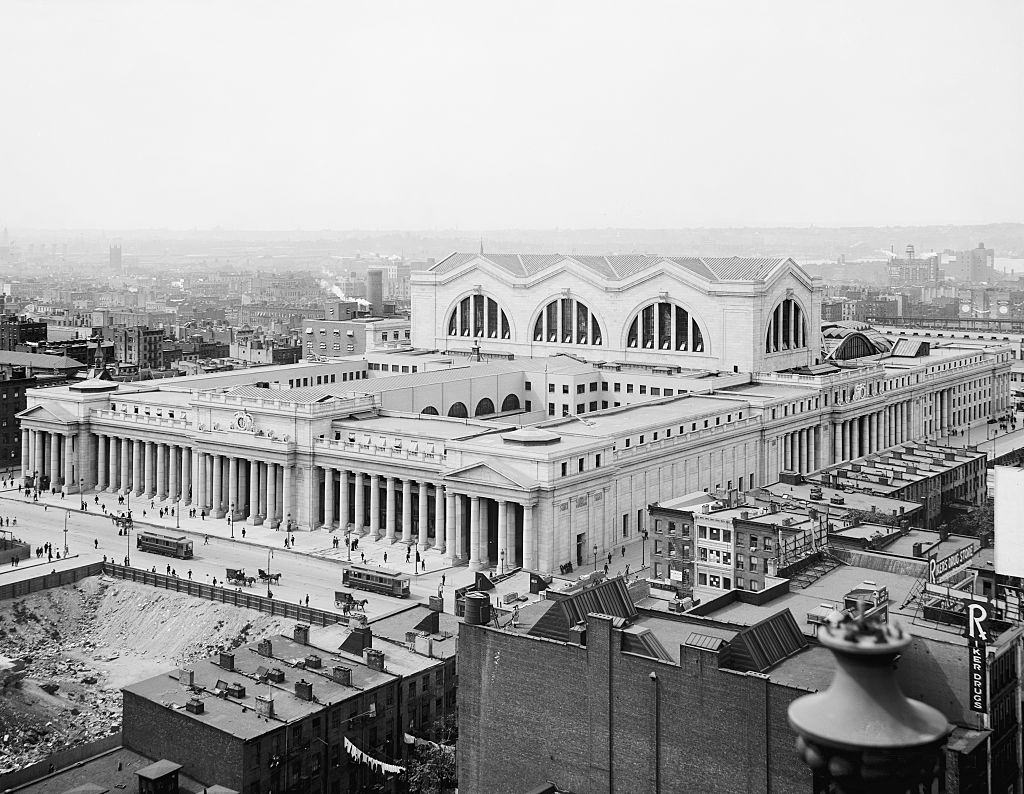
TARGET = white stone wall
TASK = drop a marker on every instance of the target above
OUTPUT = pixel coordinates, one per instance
(733, 315)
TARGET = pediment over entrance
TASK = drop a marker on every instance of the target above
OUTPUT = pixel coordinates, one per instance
(487, 474)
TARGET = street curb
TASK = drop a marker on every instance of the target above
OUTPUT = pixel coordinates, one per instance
(201, 535)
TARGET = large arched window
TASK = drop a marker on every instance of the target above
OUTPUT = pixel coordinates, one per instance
(787, 328)
(484, 407)
(510, 403)
(480, 316)
(567, 321)
(458, 410)
(665, 326)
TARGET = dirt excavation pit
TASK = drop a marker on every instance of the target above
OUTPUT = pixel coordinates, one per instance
(65, 653)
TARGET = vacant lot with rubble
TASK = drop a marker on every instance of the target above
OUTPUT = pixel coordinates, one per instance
(65, 654)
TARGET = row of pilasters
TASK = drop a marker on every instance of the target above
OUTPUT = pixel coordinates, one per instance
(427, 514)
(801, 450)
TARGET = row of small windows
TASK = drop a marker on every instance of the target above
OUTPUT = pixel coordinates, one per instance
(320, 380)
(484, 407)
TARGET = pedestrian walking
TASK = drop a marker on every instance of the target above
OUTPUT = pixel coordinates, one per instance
(362, 557)
(206, 540)
(243, 533)
(423, 565)
(385, 558)
(190, 574)
(96, 543)
(307, 599)
(623, 551)
(442, 580)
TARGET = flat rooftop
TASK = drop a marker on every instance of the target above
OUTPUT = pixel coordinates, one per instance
(238, 716)
(852, 500)
(654, 414)
(421, 425)
(111, 771)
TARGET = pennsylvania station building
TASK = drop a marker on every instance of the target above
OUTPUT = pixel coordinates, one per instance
(544, 403)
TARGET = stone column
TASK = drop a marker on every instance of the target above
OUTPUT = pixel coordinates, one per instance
(474, 533)
(148, 473)
(174, 472)
(102, 466)
(423, 518)
(254, 493)
(114, 463)
(484, 531)
(272, 514)
(217, 485)
(202, 478)
(26, 452)
(287, 498)
(137, 485)
(389, 506)
(328, 498)
(233, 486)
(375, 506)
(440, 516)
(343, 500)
(54, 460)
(70, 483)
(160, 488)
(504, 556)
(242, 506)
(407, 511)
(529, 539)
(360, 504)
(186, 476)
(451, 525)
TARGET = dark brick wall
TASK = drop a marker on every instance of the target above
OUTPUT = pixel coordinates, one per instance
(205, 754)
(533, 711)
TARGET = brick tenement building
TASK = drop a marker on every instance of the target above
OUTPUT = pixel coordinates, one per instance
(276, 715)
(617, 717)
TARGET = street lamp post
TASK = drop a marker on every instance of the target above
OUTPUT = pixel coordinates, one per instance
(66, 514)
(270, 555)
(643, 549)
(231, 520)
(862, 734)
(348, 542)
(595, 556)
(501, 558)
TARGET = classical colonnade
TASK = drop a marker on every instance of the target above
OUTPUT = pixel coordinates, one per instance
(429, 514)
(461, 525)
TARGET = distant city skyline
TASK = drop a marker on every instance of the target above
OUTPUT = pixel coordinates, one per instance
(465, 116)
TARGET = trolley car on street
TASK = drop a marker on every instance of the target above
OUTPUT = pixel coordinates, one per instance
(376, 580)
(171, 545)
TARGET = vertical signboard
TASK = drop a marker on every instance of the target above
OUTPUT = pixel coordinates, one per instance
(978, 614)
(1009, 507)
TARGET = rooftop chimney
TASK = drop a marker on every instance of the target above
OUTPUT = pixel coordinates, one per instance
(313, 662)
(301, 633)
(265, 648)
(186, 677)
(303, 689)
(194, 706)
(374, 659)
(227, 660)
(264, 706)
(342, 675)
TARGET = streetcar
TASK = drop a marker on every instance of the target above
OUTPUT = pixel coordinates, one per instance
(159, 543)
(376, 580)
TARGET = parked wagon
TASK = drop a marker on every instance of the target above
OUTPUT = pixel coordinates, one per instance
(376, 580)
(347, 603)
(236, 576)
(264, 576)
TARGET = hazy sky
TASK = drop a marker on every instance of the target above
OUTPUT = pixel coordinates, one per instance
(500, 115)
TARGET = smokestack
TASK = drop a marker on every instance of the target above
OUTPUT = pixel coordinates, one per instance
(375, 291)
